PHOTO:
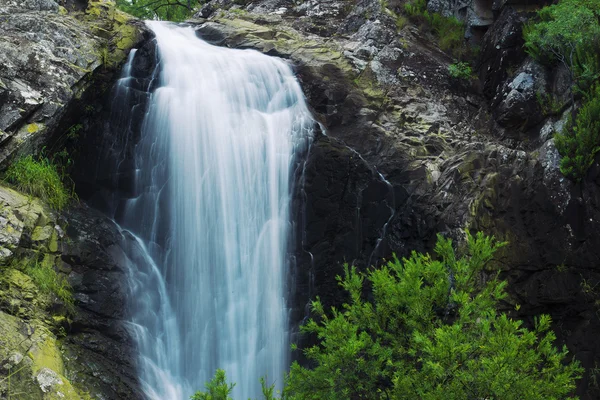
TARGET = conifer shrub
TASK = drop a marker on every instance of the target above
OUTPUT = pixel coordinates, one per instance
(579, 141)
(429, 328)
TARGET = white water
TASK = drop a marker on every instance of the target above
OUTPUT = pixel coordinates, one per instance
(214, 173)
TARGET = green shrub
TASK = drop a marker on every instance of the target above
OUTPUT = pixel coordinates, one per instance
(39, 178)
(461, 70)
(561, 28)
(429, 329)
(449, 31)
(432, 331)
(415, 8)
(579, 142)
(568, 33)
(549, 104)
(50, 282)
(217, 388)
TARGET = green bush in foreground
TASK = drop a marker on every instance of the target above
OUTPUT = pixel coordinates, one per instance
(430, 331)
(39, 178)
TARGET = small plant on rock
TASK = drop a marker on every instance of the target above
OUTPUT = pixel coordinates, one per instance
(461, 70)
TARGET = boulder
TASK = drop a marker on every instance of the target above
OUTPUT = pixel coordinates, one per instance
(519, 103)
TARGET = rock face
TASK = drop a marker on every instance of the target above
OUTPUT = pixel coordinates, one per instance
(56, 63)
(51, 57)
(51, 350)
(408, 152)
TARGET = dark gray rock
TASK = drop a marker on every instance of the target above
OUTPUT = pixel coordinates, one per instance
(99, 348)
(518, 105)
(501, 51)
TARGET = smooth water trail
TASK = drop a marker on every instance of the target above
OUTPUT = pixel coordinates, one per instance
(211, 216)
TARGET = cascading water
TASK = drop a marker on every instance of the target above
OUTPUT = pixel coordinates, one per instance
(211, 216)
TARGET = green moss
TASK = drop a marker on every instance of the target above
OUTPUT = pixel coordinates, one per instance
(53, 242)
(49, 281)
(115, 26)
(46, 355)
(33, 128)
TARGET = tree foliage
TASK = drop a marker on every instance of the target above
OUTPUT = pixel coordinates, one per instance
(569, 33)
(166, 10)
(429, 329)
(216, 389)
(561, 29)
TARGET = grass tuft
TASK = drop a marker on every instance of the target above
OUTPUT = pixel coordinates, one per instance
(39, 178)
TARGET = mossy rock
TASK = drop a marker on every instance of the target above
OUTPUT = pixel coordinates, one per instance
(29, 353)
(116, 27)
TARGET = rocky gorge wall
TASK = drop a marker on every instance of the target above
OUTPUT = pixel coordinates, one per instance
(403, 151)
(57, 60)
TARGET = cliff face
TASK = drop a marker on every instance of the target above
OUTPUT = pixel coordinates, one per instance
(57, 60)
(49, 348)
(407, 151)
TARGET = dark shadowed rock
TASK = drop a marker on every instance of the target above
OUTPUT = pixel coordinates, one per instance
(518, 104)
(501, 51)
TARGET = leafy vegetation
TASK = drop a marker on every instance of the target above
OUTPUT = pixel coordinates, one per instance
(548, 103)
(39, 178)
(167, 10)
(461, 70)
(217, 388)
(568, 33)
(429, 330)
(564, 32)
(579, 142)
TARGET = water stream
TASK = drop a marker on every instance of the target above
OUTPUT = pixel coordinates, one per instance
(210, 219)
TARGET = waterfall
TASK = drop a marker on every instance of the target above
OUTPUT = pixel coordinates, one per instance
(210, 216)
